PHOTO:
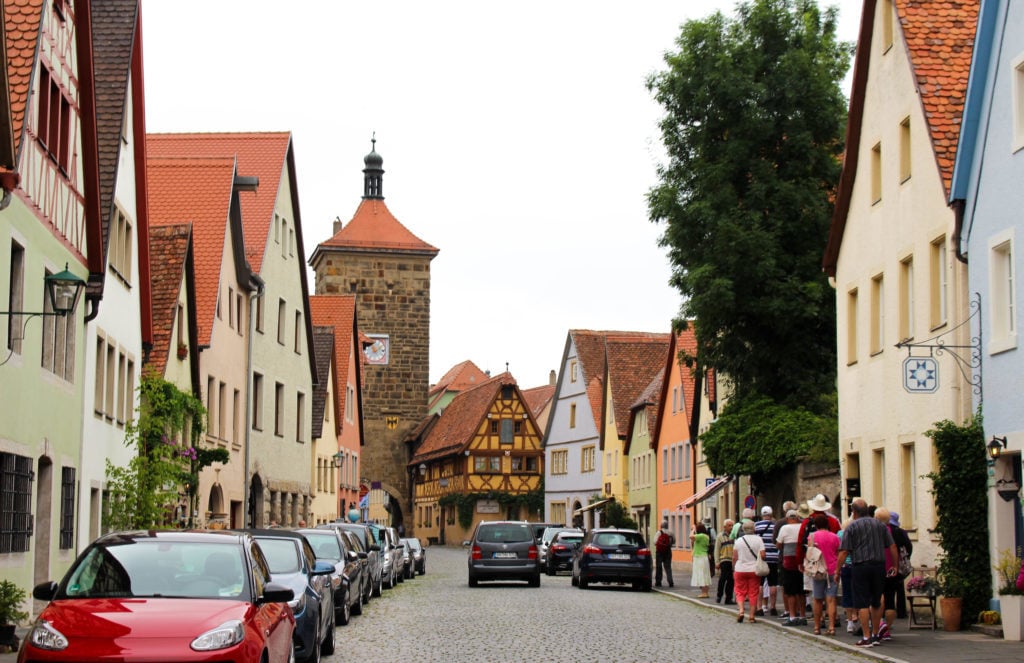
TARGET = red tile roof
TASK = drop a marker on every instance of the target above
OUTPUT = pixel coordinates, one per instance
(22, 18)
(374, 227)
(634, 359)
(196, 191)
(259, 154)
(323, 349)
(455, 429)
(537, 398)
(460, 377)
(169, 250)
(939, 37)
(339, 312)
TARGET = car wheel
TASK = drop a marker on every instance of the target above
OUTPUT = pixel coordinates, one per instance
(550, 570)
(327, 648)
(314, 656)
(646, 587)
(582, 582)
(535, 580)
(575, 581)
(378, 588)
(291, 652)
(473, 582)
(343, 613)
(401, 575)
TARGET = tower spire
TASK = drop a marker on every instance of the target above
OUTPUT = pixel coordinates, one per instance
(373, 172)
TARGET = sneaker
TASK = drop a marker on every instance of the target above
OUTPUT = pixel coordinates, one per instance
(883, 630)
(852, 627)
(775, 612)
(865, 642)
(802, 621)
(876, 640)
(759, 613)
(791, 622)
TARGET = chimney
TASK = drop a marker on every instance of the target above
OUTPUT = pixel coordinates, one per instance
(337, 225)
(551, 379)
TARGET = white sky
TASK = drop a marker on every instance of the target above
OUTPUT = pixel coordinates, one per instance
(517, 137)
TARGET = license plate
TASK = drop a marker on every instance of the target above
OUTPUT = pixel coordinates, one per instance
(504, 555)
(618, 556)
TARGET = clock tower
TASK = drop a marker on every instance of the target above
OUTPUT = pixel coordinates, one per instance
(387, 268)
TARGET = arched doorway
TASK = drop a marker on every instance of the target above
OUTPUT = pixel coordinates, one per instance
(577, 518)
(256, 502)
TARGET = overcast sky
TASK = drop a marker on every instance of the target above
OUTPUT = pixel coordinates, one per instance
(518, 138)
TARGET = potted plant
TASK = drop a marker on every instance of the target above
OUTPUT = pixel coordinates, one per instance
(182, 350)
(1011, 599)
(952, 585)
(923, 586)
(11, 598)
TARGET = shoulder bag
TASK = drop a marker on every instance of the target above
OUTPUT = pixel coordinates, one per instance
(760, 566)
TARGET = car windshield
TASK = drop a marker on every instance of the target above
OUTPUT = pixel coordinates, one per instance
(325, 546)
(611, 539)
(505, 534)
(414, 544)
(282, 555)
(360, 534)
(178, 569)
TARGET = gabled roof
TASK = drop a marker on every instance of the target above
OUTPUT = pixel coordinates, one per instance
(113, 28)
(684, 343)
(339, 312)
(323, 350)
(455, 429)
(374, 228)
(22, 22)
(647, 400)
(634, 359)
(460, 377)
(198, 191)
(259, 154)
(939, 38)
(170, 248)
(538, 398)
(590, 354)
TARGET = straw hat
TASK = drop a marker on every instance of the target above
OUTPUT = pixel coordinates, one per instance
(819, 503)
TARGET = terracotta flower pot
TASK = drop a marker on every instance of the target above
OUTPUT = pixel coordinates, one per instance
(951, 609)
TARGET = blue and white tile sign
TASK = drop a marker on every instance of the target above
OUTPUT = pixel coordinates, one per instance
(921, 375)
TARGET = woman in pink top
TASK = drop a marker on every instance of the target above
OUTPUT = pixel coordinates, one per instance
(824, 591)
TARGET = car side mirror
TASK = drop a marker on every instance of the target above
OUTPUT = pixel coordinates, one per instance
(45, 591)
(465, 544)
(362, 554)
(322, 569)
(374, 548)
(352, 556)
(276, 593)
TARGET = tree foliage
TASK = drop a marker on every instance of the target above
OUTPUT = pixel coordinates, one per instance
(758, 437)
(961, 504)
(141, 493)
(753, 127)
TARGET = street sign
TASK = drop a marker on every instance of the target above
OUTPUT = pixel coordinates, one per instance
(749, 502)
(364, 490)
(921, 375)
(709, 481)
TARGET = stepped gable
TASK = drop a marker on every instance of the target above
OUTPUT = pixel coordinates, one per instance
(259, 154)
(323, 352)
(113, 29)
(209, 184)
(338, 312)
(634, 358)
(22, 20)
(455, 429)
(537, 398)
(169, 252)
(374, 228)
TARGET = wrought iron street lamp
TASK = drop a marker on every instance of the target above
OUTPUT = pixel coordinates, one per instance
(63, 291)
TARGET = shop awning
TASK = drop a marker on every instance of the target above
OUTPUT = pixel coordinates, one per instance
(591, 507)
(708, 491)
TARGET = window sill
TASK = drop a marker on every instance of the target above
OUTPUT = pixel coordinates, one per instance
(1002, 344)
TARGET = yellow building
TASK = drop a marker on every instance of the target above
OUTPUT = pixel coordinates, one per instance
(480, 459)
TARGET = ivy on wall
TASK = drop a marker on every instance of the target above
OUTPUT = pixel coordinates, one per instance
(465, 503)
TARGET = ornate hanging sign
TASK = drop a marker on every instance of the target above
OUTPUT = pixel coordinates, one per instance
(921, 375)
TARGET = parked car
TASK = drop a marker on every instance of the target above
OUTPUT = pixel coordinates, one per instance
(390, 554)
(330, 545)
(364, 562)
(538, 528)
(370, 547)
(503, 550)
(549, 533)
(612, 555)
(419, 555)
(562, 549)
(173, 596)
(293, 563)
(408, 569)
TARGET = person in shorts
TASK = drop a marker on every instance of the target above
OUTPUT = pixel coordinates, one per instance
(866, 541)
(789, 572)
(765, 528)
(824, 591)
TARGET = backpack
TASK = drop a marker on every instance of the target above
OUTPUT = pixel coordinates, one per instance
(814, 562)
(664, 543)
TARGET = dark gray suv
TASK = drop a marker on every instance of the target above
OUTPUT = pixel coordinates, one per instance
(504, 550)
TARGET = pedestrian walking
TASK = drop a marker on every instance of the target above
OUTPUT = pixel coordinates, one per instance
(824, 590)
(765, 528)
(723, 559)
(792, 578)
(746, 517)
(663, 545)
(866, 540)
(745, 553)
(894, 600)
(700, 574)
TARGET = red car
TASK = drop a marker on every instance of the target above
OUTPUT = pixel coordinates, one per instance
(164, 596)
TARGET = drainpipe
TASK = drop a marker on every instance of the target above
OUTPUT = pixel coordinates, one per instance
(246, 486)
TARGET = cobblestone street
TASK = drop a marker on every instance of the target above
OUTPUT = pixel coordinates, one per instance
(437, 617)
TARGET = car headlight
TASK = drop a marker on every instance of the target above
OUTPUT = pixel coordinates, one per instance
(227, 634)
(44, 636)
(298, 604)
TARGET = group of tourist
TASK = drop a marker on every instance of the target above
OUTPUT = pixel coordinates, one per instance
(815, 560)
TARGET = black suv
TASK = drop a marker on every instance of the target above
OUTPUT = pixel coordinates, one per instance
(504, 550)
(613, 555)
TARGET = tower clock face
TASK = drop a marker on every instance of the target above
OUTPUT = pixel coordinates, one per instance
(378, 352)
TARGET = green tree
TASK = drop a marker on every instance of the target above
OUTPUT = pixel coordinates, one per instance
(141, 492)
(753, 126)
